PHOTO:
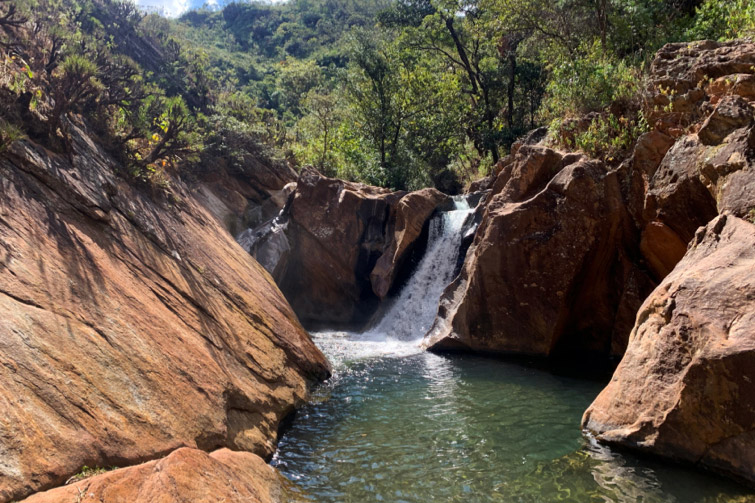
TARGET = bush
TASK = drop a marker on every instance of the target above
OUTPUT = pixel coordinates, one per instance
(589, 84)
(606, 136)
(9, 133)
(724, 19)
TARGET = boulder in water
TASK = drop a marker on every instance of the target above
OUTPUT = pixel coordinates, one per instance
(543, 273)
(347, 242)
(685, 387)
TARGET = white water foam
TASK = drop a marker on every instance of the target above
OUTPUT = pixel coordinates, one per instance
(405, 323)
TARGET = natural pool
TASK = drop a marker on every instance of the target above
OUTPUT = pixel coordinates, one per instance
(423, 427)
(396, 424)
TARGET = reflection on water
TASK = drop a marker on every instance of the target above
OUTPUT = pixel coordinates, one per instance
(424, 428)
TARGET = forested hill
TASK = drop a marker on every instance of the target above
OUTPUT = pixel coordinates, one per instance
(398, 93)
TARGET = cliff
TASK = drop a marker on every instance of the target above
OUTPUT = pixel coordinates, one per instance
(133, 325)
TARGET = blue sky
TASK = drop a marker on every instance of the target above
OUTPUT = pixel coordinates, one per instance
(174, 8)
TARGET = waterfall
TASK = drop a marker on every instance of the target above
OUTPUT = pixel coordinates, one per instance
(411, 314)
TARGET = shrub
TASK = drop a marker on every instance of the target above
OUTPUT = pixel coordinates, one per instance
(9, 133)
(724, 19)
(589, 84)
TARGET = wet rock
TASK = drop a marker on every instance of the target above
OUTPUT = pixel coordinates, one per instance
(685, 385)
(123, 338)
(186, 475)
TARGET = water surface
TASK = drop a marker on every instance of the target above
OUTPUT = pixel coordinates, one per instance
(426, 428)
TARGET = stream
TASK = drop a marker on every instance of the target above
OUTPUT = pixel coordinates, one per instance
(397, 424)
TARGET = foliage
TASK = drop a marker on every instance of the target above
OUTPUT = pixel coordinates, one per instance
(609, 137)
(724, 19)
(399, 93)
(589, 84)
(9, 133)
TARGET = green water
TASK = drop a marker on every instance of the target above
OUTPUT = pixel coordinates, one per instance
(423, 428)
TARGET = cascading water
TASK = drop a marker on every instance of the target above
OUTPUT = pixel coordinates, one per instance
(403, 325)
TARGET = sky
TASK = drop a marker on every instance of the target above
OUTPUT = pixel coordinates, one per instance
(174, 8)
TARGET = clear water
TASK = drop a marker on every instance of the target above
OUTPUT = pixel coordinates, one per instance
(395, 424)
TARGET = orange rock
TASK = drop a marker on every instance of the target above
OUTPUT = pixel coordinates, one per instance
(662, 248)
(542, 273)
(186, 475)
(685, 387)
(131, 326)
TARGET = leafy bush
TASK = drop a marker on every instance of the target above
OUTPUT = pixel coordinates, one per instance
(606, 136)
(589, 83)
(724, 19)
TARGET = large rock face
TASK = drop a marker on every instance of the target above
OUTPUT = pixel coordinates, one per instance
(130, 327)
(186, 475)
(347, 240)
(545, 272)
(685, 387)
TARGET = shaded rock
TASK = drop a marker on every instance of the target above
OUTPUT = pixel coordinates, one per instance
(242, 199)
(411, 213)
(186, 475)
(337, 231)
(543, 273)
(685, 385)
(131, 326)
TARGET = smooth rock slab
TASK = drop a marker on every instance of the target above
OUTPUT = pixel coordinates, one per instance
(130, 325)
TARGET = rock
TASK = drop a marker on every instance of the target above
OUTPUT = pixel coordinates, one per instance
(680, 74)
(186, 475)
(544, 269)
(662, 248)
(348, 241)
(738, 194)
(677, 197)
(683, 66)
(337, 231)
(535, 166)
(685, 385)
(243, 199)
(740, 84)
(731, 113)
(412, 212)
(132, 325)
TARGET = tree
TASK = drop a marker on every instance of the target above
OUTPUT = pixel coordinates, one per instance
(322, 108)
(74, 83)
